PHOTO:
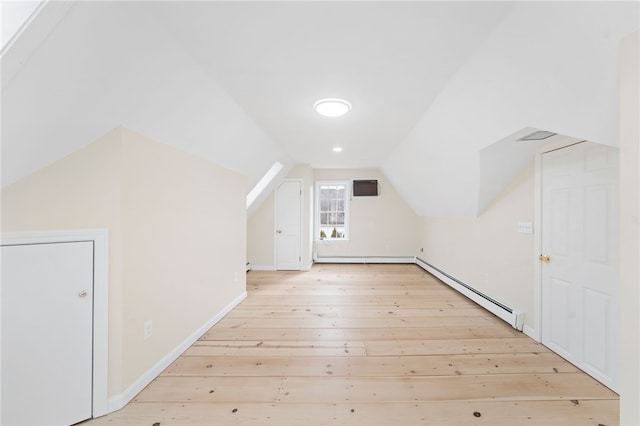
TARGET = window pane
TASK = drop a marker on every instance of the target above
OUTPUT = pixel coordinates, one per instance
(333, 218)
(331, 211)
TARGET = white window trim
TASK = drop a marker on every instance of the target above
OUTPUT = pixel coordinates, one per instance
(347, 205)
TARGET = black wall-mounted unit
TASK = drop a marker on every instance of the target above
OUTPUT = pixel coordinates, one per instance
(365, 188)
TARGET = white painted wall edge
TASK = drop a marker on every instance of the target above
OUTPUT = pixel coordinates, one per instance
(531, 332)
(100, 238)
(119, 401)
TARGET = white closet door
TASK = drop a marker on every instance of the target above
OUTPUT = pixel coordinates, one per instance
(47, 326)
(289, 226)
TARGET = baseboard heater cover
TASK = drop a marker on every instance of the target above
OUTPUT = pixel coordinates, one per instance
(365, 259)
(512, 316)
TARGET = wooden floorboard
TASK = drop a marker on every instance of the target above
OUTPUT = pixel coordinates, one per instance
(366, 345)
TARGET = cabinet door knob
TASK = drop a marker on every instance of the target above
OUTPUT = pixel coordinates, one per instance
(82, 294)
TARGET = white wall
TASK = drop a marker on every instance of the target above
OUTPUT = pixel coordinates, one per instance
(629, 231)
(379, 226)
(177, 233)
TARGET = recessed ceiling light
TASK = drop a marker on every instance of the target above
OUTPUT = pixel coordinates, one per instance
(337, 149)
(332, 107)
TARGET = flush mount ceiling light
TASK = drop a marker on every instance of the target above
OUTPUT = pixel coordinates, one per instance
(337, 149)
(332, 107)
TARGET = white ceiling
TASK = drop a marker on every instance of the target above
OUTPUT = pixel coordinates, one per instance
(431, 83)
(389, 59)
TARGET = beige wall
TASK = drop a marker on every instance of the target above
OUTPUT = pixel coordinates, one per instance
(81, 191)
(629, 232)
(379, 226)
(260, 235)
(487, 252)
(177, 233)
(260, 226)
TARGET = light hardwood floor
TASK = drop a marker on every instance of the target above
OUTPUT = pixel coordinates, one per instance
(365, 345)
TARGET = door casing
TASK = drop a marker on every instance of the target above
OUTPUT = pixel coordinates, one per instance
(100, 237)
(536, 332)
(275, 238)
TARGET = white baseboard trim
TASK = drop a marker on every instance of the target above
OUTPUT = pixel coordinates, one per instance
(531, 332)
(365, 259)
(116, 402)
(307, 267)
(513, 317)
(263, 268)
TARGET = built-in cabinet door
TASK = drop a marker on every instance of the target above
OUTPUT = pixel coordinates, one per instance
(47, 325)
(288, 232)
(580, 274)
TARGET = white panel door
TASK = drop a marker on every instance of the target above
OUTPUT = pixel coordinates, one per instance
(47, 324)
(289, 225)
(580, 237)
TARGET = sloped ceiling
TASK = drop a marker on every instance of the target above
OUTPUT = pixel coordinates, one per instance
(432, 83)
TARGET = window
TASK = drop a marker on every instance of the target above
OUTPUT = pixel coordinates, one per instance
(332, 210)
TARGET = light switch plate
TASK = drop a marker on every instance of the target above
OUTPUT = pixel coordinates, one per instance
(525, 227)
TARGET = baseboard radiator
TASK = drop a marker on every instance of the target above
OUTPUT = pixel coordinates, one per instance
(512, 316)
(365, 259)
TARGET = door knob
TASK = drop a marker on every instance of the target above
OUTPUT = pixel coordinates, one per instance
(544, 258)
(82, 294)
(279, 231)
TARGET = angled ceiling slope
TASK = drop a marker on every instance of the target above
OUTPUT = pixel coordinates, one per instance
(548, 65)
(431, 83)
(67, 86)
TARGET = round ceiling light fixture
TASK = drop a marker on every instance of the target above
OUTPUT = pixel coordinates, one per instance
(332, 107)
(337, 149)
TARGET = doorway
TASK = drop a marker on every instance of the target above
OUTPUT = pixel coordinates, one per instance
(288, 225)
(579, 257)
(54, 327)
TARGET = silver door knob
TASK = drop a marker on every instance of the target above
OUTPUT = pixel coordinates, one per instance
(82, 294)
(279, 231)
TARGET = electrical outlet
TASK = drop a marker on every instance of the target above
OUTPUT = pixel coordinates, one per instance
(148, 329)
(525, 227)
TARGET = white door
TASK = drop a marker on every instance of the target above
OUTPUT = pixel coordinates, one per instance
(580, 238)
(47, 323)
(289, 225)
